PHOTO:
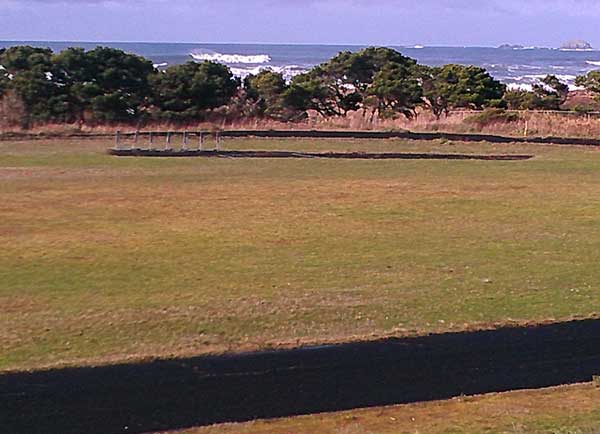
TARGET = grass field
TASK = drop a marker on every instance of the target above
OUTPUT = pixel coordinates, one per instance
(566, 410)
(106, 259)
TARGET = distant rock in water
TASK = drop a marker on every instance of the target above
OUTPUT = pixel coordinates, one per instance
(511, 47)
(576, 44)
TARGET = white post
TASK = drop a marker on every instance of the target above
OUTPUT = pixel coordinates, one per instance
(168, 141)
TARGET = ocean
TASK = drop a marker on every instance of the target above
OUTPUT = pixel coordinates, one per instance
(516, 67)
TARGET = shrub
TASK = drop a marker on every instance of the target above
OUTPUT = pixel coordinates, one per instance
(491, 117)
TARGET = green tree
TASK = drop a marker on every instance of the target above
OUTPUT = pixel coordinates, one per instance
(29, 74)
(109, 84)
(320, 90)
(4, 77)
(266, 93)
(188, 91)
(359, 69)
(591, 82)
(394, 90)
(555, 86)
(549, 94)
(344, 83)
(76, 75)
(457, 86)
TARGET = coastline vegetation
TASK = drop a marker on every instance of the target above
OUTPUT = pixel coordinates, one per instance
(108, 86)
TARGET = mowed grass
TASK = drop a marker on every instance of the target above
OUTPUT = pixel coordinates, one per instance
(564, 410)
(105, 259)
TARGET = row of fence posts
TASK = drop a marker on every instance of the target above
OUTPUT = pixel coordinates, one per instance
(168, 140)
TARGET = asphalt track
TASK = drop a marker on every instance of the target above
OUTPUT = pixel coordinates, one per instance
(174, 394)
(321, 134)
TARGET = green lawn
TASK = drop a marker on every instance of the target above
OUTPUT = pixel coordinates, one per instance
(106, 259)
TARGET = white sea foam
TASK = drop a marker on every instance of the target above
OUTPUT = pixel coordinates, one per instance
(593, 62)
(577, 49)
(538, 77)
(160, 65)
(520, 86)
(514, 68)
(529, 87)
(230, 59)
(529, 77)
(527, 82)
(566, 77)
(288, 71)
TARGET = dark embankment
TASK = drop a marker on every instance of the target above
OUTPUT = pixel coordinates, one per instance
(409, 135)
(289, 154)
(324, 134)
(153, 396)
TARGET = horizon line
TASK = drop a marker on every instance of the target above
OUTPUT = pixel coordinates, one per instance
(410, 46)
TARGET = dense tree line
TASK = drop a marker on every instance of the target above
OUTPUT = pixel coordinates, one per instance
(109, 85)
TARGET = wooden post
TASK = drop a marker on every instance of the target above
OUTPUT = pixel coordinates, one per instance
(185, 141)
(526, 128)
(118, 140)
(200, 140)
(135, 140)
(217, 140)
(151, 137)
(168, 141)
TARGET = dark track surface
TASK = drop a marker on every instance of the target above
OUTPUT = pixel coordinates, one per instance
(409, 135)
(137, 398)
(331, 155)
(326, 134)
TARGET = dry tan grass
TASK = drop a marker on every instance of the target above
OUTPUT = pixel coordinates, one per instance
(567, 124)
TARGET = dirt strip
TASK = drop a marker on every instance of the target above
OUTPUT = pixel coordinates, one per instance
(331, 155)
(173, 394)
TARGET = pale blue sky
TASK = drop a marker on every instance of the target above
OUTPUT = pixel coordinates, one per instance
(395, 22)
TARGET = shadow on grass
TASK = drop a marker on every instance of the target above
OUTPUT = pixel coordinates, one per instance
(163, 395)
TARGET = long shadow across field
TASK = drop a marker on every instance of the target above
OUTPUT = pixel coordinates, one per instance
(162, 395)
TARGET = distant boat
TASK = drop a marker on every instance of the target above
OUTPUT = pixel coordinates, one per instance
(419, 47)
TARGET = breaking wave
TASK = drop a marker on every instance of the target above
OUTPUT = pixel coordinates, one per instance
(230, 59)
(593, 62)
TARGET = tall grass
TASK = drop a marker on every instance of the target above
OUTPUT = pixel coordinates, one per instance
(527, 123)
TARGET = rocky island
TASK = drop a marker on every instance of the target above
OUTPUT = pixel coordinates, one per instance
(576, 44)
(511, 47)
